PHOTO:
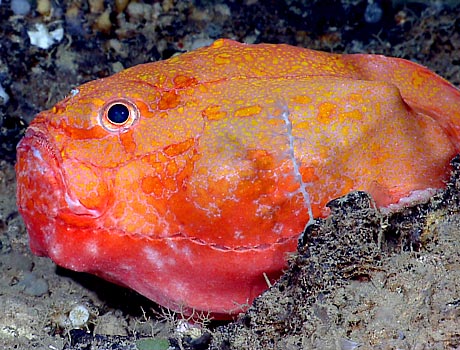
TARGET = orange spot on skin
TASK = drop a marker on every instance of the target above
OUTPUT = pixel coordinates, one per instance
(355, 99)
(170, 184)
(161, 78)
(302, 99)
(309, 174)
(119, 209)
(351, 115)
(152, 184)
(213, 112)
(168, 100)
(179, 148)
(222, 59)
(145, 109)
(218, 44)
(182, 82)
(326, 112)
(419, 78)
(57, 109)
(248, 111)
(172, 168)
(128, 142)
(248, 58)
(96, 132)
(261, 158)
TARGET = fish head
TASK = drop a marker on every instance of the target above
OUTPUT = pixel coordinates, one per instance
(82, 161)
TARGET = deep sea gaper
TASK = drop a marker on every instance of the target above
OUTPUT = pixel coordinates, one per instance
(189, 180)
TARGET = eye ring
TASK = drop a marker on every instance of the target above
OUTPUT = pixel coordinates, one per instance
(118, 115)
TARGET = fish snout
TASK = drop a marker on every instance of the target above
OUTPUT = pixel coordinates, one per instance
(39, 186)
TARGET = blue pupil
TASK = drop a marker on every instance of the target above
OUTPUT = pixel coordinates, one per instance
(118, 113)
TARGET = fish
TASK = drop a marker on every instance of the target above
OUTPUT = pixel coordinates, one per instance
(189, 180)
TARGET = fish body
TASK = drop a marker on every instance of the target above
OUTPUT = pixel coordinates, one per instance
(189, 180)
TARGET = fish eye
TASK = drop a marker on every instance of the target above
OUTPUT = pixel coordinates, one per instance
(118, 115)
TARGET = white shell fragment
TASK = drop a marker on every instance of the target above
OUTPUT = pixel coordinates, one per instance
(79, 316)
(43, 38)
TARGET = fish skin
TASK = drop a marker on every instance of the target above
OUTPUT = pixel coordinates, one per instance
(201, 195)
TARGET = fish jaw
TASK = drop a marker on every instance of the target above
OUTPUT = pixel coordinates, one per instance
(43, 196)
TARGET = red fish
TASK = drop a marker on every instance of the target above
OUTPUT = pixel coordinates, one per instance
(189, 180)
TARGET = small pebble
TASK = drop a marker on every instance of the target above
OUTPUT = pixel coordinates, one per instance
(96, 6)
(137, 11)
(120, 5)
(347, 344)
(103, 22)
(117, 67)
(373, 13)
(223, 10)
(168, 5)
(117, 47)
(17, 263)
(200, 42)
(44, 7)
(20, 7)
(33, 285)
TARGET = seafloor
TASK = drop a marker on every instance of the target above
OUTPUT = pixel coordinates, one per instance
(364, 280)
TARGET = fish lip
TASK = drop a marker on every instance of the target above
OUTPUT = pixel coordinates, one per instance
(44, 150)
(36, 138)
(37, 175)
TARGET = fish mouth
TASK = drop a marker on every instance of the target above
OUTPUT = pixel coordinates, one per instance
(37, 170)
(42, 182)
